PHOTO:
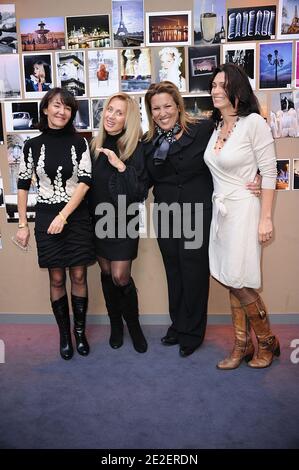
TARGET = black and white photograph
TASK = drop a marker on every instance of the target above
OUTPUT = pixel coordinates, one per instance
(209, 19)
(251, 23)
(283, 175)
(11, 206)
(128, 23)
(21, 115)
(295, 174)
(103, 72)
(10, 85)
(284, 115)
(202, 62)
(243, 55)
(276, 64)
(40, 34)
(135, 69)
(38, 74)
(15, 145)
(8, 29)
(97, 109)
(90, 31)
(169, 64)
(168, 27)
(82, 120)
(70, 72)
(288, 19)
(200, 107)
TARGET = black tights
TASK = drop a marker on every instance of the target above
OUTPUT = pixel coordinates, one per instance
(120, 271)
(78, 277)
(246, 295)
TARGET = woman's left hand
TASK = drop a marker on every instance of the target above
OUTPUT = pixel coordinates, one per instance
(56, 226)
(113, 159)
(255, 185)
(265, 230)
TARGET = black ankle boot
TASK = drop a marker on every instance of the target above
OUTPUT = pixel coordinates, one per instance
(131, 316)
(79, 305)
(60, 309)
(112, 295)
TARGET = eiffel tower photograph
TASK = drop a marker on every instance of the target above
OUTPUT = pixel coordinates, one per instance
(127, 23)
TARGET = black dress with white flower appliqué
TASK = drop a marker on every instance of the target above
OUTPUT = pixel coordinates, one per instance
(59, 160)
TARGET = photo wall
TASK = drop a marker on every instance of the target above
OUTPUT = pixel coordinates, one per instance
(127, 48)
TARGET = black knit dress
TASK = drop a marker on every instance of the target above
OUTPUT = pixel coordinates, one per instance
(107, 184)
(60, 160)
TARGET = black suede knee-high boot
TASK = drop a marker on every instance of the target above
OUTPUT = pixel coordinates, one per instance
(112, 295)
(131, 316)
(79, 305)
(60, 309)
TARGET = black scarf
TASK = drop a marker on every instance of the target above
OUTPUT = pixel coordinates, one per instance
(162, 142)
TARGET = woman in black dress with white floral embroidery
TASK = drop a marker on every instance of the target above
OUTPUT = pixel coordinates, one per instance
(60, 160)
(118, 179)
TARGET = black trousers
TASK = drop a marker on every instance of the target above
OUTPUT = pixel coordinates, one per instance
(188, 274)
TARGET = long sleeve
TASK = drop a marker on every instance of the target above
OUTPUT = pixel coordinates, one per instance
(26, 168)
(84, 164)
(264, 150)
(133, 182)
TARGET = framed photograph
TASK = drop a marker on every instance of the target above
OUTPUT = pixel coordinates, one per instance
(251, 23)
(103, 72)
(97, 109)
(128, 23)
(82, 119)
(243, 55)
(15, 145)
(276, 62)
(297, 65)
(10, 85)
(42, 34)
(202, 61)
(8, 36)
(283, 115)
(135, 69)
(168, 27)
(70, 72)
(89, 31)
(283, 175)
(288, 22)
(209, 19)
(11, 206)
(38, 76)
(21, 115)
(169, 64)
(200, 107)
(295, 174)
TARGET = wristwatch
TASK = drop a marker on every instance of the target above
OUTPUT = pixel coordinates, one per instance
(23, 225)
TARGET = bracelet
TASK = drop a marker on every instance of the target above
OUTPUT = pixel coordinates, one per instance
(62, 217)
(25, 224)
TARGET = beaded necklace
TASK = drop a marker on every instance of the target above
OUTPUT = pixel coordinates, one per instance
(221, 139)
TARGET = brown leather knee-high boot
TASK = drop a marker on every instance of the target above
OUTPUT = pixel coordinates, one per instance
(268, 344)
(243, 347)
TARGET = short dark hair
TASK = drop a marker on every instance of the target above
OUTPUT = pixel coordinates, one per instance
(67, 98)
(238, 90)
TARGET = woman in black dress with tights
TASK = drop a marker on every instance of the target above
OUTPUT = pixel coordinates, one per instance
(119, 179)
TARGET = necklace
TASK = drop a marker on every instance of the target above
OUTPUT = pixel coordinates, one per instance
(223, 137)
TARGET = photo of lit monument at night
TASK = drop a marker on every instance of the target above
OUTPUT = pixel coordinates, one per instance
(90, 31)
(168, 28)
(127, 23)
(38, 34)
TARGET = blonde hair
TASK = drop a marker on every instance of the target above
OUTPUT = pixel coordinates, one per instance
(127, 143)
(172, 90)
